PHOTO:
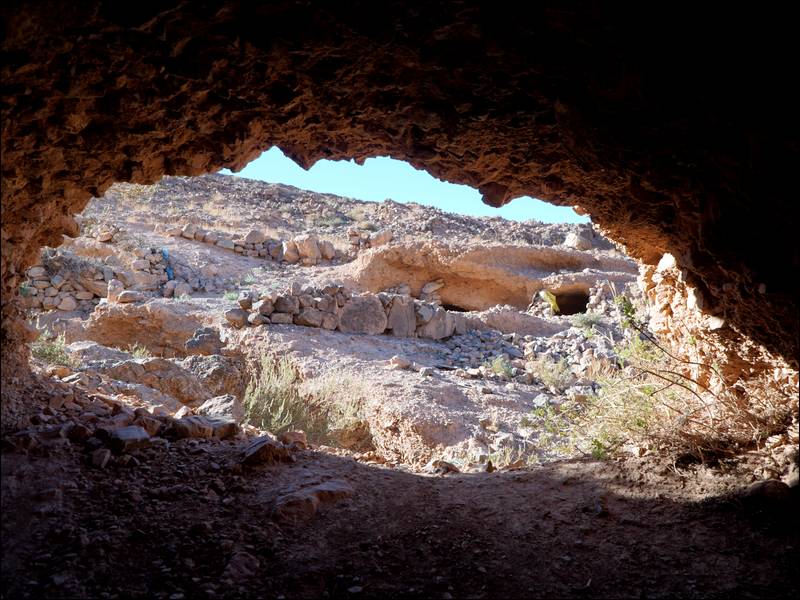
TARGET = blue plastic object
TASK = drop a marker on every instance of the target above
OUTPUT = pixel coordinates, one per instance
(165, 254)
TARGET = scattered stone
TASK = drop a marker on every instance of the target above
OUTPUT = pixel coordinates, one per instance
(100, 458)
(227, 406)
(129, 296)
(255, 319)
(241, 566)
(441, 467)
(294, 437)
(128, 438)
(265, 450)
(303, 505)
(204, 340)
(400, 362)
(255, 237)
(245, 300)
(237, 317)
(193, 427)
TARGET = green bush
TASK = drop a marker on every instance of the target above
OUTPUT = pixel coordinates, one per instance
(139, 351)
(501, 366)
(327, 408)
(555, 375)
(587, 321)
(53, 351)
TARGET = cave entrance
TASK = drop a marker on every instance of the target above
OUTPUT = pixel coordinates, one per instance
(572, 302)
(454, 308)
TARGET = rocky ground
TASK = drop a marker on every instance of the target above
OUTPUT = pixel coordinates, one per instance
(139, 454)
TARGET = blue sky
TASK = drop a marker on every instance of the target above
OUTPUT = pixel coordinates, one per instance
(382, 178)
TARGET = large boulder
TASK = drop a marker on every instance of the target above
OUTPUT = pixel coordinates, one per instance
(363, 314)
(223, 407)
(160, 325)
(160, 374)
(402, 320)
(219, 375)
(205, 340)
(440, 326)
(290, 253)
(308, 248)
(255, 237)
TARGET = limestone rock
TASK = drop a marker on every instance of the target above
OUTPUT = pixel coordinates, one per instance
(290, 253)
(363, 314)
(327, 250)
(281, 318)
(308, 248)
(204, 340)
(440, 326)
(402, 319)
(255, 237)
(304, 504)
(114, 289)
(579, 241)
(287, 304)
(237, 317)
(128, 296)
(310, 317)
(294, 437)
(128, 438)
(223, 407)
(68, 303)
(265, 450)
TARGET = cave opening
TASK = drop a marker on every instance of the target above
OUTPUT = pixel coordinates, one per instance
(572, 302)
(454, 308)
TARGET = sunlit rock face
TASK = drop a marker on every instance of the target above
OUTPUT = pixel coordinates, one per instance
(670, 130)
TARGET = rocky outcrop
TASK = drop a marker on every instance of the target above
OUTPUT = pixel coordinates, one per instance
(479, 276)
(670, 148)
(162, 326)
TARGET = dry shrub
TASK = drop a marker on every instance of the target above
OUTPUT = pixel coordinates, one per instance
(327, 408)
(651, 399)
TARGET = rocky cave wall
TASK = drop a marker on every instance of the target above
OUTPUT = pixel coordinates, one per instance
(674, 131)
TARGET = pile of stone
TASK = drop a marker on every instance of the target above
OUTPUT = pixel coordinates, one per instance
(475, 348)
(66, 290)
(429, 292)
(335, 307)
(305, 249)
(361, 239)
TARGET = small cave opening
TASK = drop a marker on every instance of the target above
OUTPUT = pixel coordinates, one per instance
(455, 308)
(572, 302)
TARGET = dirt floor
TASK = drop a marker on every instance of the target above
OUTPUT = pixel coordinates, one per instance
(190, 521)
